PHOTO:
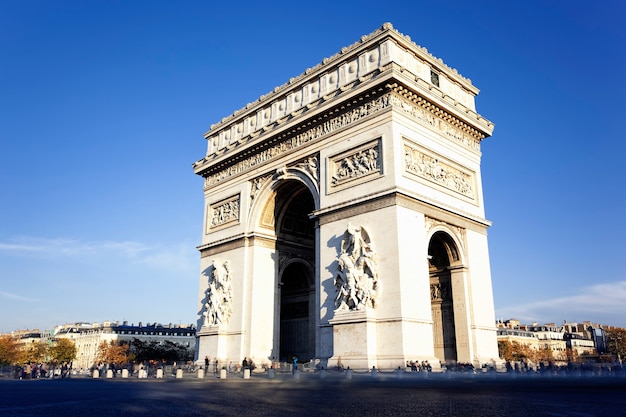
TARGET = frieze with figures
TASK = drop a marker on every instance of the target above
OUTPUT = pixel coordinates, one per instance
(356, 165)
(436, 119)
(437, 169)
(325, 128)
(419, 112)
(224, 212)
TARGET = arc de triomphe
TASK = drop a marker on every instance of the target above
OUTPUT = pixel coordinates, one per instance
(344, 218)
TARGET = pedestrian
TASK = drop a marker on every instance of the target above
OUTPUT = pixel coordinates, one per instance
(295, 364)
(206, 362)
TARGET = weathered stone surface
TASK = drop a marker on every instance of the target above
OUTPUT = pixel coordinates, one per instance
(346, 210)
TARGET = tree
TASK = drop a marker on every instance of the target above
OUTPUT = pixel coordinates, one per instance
(63, 350)
(115, 353)
(168, 351)
(35, 352)
(9, 350)
(616, 342)
(545, 354)
(515, 351)
(505, 350)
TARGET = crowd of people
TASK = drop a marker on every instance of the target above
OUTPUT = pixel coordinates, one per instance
(417, 366)
(35, 370)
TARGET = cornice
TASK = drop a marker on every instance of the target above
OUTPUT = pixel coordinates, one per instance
(377, 98)
(386, 29)
(400, 197)
(383, 51)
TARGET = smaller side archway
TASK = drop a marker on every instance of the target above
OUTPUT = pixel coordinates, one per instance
(297, 323)
(443, 256)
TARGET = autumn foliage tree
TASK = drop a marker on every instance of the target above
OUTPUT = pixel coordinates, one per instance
(9, 350)
(115, 353)
(63, 350)
(515, 351)
(36, 351)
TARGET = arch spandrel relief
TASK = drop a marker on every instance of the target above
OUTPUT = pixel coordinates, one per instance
(356, 279)
(224, 212)
(219, 294)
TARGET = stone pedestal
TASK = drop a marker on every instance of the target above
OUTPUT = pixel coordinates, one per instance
(159, 373)
(246, 373)
(179, 373)
(213, 342)
(200, 373)
(354, 338)
(124, 373)
(222, 373)
(96, 373)
(109, 373)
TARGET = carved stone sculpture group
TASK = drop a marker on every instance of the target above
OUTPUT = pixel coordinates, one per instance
(219, 297)
(356, 280)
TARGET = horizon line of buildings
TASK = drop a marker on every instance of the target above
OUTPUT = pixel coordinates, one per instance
(582, 338)
(567, 341)
(87, 337)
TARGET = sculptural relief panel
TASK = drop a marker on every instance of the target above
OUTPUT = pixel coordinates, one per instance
(355, 164)
(428, 165)
(218, 295)
(356, 279)
(331, 125)
(224, 212)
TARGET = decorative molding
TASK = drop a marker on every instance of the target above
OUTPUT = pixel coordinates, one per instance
(370, 55)
(437, 169)
(289, 255)
(224, 212)
(435, 118)
(356, 164)
(459, 232)
(239, 241)
(440, 292)
(311, 166)
(256, 185)
(420, 109)
(290, 143)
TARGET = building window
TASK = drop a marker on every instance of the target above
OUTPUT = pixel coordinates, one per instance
(434, 78)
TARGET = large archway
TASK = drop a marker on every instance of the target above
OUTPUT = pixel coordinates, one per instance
(295, 233)
(442, 254)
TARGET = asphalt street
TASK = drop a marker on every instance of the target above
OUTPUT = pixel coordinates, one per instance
(285, 395)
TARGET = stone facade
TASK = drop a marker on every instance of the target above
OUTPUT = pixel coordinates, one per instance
(347, 205)
(87, 337)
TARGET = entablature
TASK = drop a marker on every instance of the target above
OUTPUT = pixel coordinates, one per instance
(382, 52)
(390, 94)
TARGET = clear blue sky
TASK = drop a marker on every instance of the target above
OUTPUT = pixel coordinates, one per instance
(103, 105)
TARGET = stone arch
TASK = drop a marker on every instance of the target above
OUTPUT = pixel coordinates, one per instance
(452, 240)
(264, 189)
(444, 257)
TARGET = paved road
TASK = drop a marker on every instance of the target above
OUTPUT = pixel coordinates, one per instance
(309, 395)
